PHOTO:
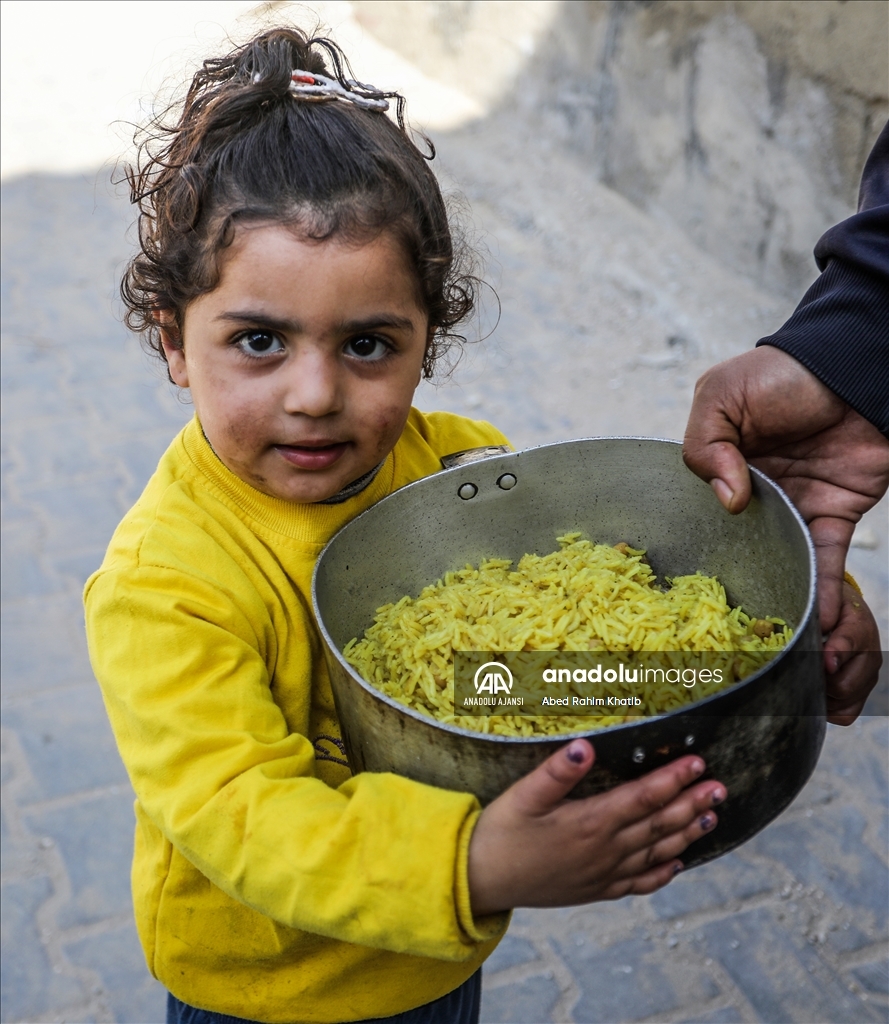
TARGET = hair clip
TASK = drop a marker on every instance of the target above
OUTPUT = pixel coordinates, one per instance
(314, 87)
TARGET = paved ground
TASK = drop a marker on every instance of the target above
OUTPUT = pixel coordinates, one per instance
(792, 927)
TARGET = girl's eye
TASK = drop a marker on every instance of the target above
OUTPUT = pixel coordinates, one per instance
(368, 347)
(260, 343)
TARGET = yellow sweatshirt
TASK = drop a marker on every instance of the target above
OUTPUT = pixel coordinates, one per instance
(269, 884)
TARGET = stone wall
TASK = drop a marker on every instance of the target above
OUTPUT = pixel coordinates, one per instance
(745, 123)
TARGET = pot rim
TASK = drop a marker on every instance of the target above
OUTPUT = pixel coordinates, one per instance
(693, 708)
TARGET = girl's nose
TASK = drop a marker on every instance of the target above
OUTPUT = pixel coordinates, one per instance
(313, 385)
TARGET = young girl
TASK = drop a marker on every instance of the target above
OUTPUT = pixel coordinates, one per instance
(297, 273)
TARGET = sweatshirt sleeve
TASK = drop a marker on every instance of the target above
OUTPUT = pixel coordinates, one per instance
(379, 861)
(840, 329)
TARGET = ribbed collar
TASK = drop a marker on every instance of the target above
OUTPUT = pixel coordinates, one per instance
(307, 523)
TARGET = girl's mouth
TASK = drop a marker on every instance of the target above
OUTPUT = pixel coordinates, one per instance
(312, 456)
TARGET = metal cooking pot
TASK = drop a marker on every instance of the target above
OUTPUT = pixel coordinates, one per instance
(761, 737)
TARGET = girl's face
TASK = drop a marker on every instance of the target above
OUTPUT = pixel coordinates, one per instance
(303, 361)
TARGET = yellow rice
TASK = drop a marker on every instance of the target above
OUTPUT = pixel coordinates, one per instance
(582, 597)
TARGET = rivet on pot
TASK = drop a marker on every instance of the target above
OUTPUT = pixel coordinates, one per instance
(689, 739)
(507, 481)
(638, 755)
(467, 491)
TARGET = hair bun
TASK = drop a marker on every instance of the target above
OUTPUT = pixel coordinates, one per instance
(268, 62)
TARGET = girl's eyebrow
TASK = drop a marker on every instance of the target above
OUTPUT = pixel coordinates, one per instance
(249, 316)
(377, 321)
(371, 323)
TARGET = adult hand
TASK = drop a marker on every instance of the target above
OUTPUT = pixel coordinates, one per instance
(532, 847)
(766, 407)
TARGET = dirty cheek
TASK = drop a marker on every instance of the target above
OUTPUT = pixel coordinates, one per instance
(389, 425)
(235, 431)
(239, 436)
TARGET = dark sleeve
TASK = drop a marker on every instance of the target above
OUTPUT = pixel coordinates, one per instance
(840, 330)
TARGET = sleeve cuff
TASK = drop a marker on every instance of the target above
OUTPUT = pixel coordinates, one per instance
(483, 929)
(838, 332)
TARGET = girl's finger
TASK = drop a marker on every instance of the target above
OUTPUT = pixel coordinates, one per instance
(638, 800)
(668, 849)
(672, 846)
(643, 883)
(675, 817)
(546, 787)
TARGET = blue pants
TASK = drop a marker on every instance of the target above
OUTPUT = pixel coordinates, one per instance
(458, 1007)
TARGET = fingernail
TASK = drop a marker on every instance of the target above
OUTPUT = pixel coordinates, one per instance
(723, 491)
(707, 821)
(697, 766)
(717, 796)
(833, 663)
(677, 868)
(576, 752)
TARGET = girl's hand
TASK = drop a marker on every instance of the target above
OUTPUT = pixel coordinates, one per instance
(533, 847)
(852, 659)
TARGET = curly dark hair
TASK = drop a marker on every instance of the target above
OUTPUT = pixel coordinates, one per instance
(241, 148)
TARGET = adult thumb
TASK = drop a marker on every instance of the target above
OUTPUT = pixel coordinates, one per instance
(548, 785)
(713, 446)
(710, 450)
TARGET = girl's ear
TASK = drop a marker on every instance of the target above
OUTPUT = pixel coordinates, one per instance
(175, 354)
